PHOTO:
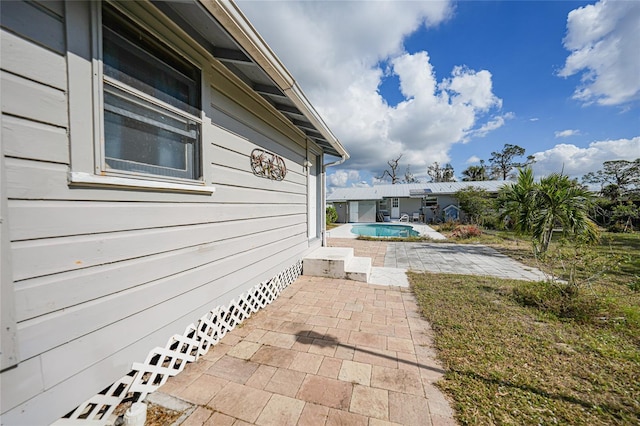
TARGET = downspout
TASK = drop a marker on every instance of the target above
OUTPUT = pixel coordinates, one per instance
(324, 195)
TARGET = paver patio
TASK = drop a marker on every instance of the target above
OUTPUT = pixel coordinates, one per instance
(326, 352)
(331, 352)
(465, 259)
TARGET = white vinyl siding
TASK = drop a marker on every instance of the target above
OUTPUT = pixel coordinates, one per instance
(103, 270)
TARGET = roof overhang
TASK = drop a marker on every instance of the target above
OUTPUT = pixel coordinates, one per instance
(222, 29)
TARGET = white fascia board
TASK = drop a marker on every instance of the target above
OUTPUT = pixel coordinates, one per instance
(234, 21)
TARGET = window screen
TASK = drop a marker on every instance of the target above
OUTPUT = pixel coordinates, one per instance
(151, 103)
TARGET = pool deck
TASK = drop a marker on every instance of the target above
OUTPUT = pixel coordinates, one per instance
(344, 231)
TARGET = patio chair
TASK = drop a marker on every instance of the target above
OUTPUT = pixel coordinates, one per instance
(404, 217)
(415, 217)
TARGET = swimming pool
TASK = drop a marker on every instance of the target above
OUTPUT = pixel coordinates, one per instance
(380, 230)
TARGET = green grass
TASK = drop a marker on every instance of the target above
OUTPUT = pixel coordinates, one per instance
(627, 247)
(511, 364)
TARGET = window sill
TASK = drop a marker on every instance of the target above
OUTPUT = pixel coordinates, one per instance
(80, 179)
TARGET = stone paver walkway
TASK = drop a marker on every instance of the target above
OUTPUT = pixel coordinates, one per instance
(326, 352)
(457, 259)
(336, 352)
(440, 257)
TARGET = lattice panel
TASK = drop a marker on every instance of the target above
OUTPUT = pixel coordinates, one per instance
(197, 339)
(209, 331)
(100, 407)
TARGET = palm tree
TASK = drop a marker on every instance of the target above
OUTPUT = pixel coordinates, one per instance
(516, 202)
(562, 202)
(475, 173)
(537, 209)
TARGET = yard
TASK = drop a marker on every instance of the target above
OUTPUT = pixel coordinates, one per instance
(509, 362)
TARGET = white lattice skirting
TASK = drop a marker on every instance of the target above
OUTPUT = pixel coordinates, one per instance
(162, 363)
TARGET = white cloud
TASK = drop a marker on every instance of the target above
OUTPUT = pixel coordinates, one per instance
(534, 119)
(566, 133)
(576, 162)
(341, 178)
(435, 115)
(340, 51)
(603, 39)
(472, 88)
(473, 159)
(493, 124)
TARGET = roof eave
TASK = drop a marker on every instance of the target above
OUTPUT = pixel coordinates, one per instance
(239, 27)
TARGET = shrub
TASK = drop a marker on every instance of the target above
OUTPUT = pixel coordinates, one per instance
(331, 215)
(448, 226)
(492, 221)
(466, 231)
(559, 299)
(619, 227)
(477, 205)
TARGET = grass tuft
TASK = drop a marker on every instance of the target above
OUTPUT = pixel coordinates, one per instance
(560, 300)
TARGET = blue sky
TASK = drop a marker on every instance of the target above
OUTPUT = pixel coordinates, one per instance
(454, 81)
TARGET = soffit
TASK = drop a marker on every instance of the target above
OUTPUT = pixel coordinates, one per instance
(196, 21)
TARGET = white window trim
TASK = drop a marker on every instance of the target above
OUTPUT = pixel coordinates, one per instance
(314, 156)
(99, 81)
(81, 179)
(80, 175)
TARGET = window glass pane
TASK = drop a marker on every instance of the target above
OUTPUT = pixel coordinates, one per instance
(429, 201)
(137, 59)
(143, 137)
(142, 76)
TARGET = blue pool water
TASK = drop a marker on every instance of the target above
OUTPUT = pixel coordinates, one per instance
(380, 230)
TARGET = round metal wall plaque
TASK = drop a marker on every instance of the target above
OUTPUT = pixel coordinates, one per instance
(267, 165)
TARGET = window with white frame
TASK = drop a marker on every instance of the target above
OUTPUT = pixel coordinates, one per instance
(151, 95)
(429, 201)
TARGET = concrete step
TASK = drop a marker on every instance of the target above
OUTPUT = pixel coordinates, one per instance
(337, 262)
(359, 269)
(327, 262)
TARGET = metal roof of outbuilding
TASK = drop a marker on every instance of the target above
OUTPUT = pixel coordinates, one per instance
(413, 190)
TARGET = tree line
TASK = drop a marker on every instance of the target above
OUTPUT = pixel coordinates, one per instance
(556, 201)
(501, 166)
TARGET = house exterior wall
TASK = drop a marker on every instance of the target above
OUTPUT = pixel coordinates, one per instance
(366, 211)
(435, 214)
(101, 275)
(341, 208)
(410, 205)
